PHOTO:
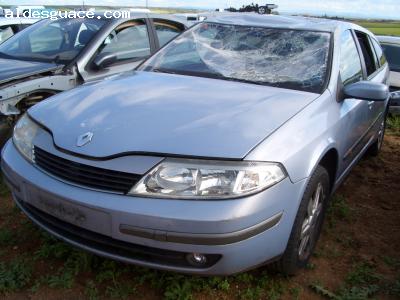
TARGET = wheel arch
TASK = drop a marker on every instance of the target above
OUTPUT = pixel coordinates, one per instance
(330, 161)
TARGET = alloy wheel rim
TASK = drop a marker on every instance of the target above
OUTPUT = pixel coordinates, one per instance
(308, 228)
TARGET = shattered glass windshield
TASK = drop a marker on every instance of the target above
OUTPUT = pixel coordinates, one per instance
(285, 58)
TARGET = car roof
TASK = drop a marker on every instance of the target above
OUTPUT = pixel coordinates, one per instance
(278, 21)
(389, 39)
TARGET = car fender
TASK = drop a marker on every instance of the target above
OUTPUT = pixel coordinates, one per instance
(301, 143)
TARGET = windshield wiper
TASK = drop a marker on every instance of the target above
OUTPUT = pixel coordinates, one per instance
(163, 70)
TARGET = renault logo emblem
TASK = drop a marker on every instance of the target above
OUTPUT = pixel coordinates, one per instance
(84, 139)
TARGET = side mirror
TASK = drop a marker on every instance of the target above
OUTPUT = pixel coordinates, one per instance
(366, 90)
(105, 60)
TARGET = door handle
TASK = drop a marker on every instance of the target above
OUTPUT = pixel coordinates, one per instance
(370, 104)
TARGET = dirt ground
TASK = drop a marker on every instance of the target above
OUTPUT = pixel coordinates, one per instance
(357, 257)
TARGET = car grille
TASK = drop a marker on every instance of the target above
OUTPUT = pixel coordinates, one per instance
(84, 175)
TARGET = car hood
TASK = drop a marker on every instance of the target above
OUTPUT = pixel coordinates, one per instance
(12, 69)
(168, 114)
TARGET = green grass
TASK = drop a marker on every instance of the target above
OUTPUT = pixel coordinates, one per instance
(339, 209)
(362, 282)
(393, 123)
(4, 190)
(6, 237)
(382, 28)
(14, 275)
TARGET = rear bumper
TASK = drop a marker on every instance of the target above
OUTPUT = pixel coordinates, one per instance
(235, 235)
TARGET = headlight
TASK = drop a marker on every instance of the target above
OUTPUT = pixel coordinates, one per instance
(199, 179)
(24, 133)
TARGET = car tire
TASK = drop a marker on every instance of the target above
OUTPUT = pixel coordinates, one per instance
(262, 10)
(307, 225)
(376, 147)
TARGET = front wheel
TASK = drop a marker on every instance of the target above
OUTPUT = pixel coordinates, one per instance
(307, 225)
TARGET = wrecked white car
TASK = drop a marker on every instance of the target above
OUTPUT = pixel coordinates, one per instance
(54, 56)
(11, 26)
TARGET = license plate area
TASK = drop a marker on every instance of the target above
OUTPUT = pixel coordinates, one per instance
(78, 215)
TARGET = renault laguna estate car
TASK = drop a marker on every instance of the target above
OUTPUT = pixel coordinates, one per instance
(217, 155)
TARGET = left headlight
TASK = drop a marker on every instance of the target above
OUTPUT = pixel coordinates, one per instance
(201, 179)
(24, 132)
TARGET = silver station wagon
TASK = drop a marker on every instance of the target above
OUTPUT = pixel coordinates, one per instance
(217, 155)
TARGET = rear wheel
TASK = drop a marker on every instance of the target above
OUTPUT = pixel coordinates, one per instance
(307, 225)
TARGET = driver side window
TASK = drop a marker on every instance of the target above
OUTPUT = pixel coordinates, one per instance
(128, 41)
(350, 62)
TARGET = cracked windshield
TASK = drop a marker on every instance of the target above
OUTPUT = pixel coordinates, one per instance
(285, 58)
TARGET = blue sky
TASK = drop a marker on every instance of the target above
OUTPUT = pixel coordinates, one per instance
(387, 9)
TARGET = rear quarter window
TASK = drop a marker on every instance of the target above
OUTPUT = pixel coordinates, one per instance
(379, 52)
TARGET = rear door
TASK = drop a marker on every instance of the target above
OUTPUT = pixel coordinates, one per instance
(376, 71)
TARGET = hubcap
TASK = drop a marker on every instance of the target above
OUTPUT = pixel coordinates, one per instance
(308, 228)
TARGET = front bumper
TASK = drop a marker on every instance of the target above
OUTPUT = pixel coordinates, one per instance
(235, 235)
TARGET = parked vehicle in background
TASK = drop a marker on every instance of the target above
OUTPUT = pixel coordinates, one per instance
(192, 18)
(140, 10)
(217, 155)
(11, 26)
(391, 47)
(54, 56)
(260, 9)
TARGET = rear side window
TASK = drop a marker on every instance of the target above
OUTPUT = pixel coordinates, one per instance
(370, 60)
(166, 31)
(350, 63)
(379, 52)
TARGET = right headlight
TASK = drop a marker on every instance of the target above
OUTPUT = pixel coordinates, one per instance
(203, 179)
(24, 132)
